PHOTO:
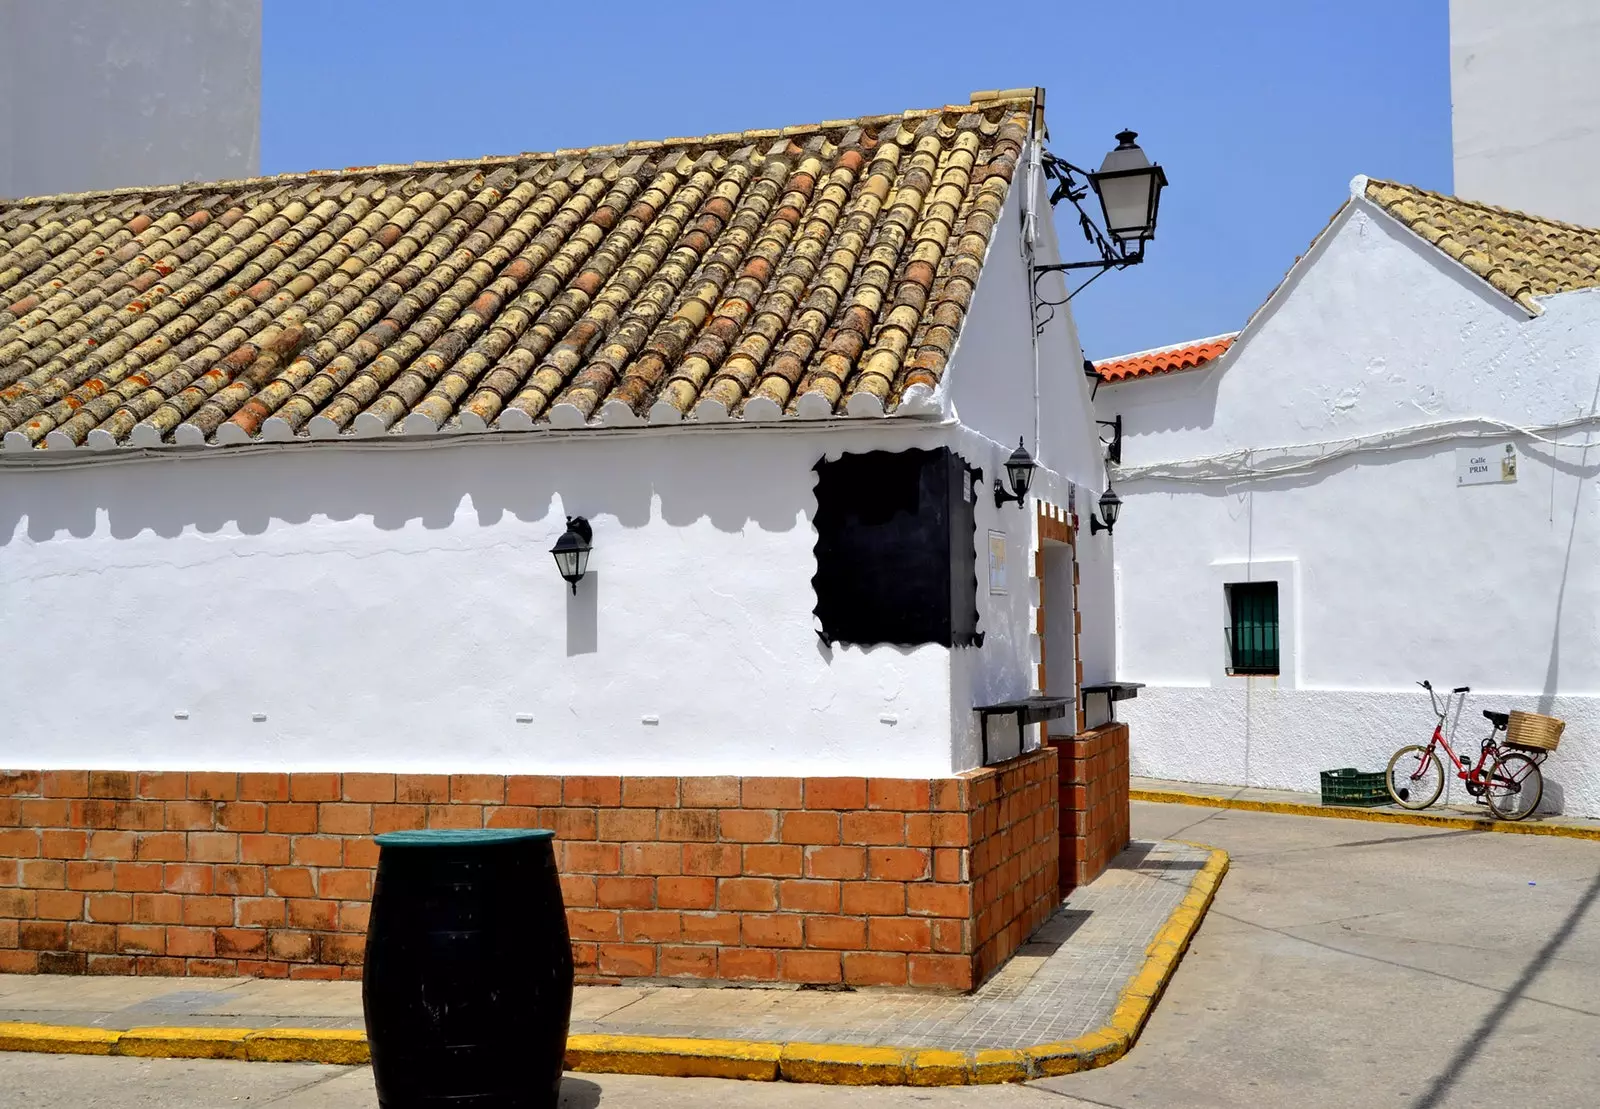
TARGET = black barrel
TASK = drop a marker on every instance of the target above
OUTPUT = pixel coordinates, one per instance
(467, 988)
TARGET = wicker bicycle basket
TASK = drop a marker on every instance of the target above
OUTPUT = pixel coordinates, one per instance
(1529, 729)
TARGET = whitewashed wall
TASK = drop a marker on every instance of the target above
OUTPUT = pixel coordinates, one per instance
(1525, 105)
(997, 381)
(97, 94)
(398, 609)
(1388, 571)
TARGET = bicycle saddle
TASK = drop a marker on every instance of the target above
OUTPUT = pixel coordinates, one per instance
(1498, 719)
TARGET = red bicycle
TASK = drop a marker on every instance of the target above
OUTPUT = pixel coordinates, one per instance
(1508, 780)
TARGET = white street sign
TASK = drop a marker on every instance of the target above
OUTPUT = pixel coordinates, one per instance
(1492, 464)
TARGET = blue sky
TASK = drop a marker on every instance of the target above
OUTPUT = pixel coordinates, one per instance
(1260, 110)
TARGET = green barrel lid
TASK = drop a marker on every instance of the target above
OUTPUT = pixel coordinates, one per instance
(461, 837)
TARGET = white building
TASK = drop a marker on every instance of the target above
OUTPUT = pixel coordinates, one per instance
(246, 520)
(1525, 105)
(1316, 479)
(284, 459)
(96, 94)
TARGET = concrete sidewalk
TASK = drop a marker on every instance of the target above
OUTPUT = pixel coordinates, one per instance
(1296, 803)
(1065, 984)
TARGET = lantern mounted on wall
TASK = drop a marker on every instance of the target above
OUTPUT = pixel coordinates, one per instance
(1019, 468)
(1110, 509)
(572, 551)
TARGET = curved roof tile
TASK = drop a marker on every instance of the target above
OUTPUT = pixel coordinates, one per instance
(813, 271)
(1522, 256)
(1164, 360)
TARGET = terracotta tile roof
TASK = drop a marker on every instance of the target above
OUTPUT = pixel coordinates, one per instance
(1523, 256)
(1164, 360)
(807, 271)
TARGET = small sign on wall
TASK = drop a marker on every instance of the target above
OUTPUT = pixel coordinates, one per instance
(997, 562)
(1486, 465)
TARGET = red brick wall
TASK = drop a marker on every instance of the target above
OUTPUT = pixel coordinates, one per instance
(1094, 802)
(863, 881)
(1014, 855)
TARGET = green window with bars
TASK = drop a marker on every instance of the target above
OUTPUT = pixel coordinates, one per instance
(1253, 627)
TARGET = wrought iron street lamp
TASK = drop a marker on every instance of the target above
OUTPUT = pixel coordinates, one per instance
(1128, 187)
(572, 551)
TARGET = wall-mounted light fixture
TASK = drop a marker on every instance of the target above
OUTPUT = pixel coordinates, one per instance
(572, 551)
(1113, 448)
(1110, 509)
(1129, 188)
(1019, 468)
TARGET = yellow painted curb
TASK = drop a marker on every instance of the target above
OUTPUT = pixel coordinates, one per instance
(999, 1065)
(56, 1040)
(834, 1064)
(844, 1064)
(345, 1047)
(935, 1067)
(673, 1057)
(1378, 816)
(184, 1043)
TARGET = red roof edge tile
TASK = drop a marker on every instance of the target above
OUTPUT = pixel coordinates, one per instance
(1164, 360)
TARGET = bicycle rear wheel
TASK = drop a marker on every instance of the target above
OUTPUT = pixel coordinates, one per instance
(1515, 785)
(1415, 778)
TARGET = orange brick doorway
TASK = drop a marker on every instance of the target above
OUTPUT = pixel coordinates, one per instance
(1092, 761)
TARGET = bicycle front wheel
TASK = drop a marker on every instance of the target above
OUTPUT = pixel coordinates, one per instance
(1515, 785)
(1415, 778)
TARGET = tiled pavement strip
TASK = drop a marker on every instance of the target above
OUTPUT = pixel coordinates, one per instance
(1063, 984)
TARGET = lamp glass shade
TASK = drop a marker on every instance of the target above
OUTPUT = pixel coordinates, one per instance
(571, 551)
(1110, 507)
(1129, 188)
(1019, 468)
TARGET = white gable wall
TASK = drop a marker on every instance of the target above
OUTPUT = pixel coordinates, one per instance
(1388, 572)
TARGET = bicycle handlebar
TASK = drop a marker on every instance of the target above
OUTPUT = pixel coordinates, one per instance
(1432, 696)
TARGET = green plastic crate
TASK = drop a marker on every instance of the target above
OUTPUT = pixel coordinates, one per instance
(1350, 786)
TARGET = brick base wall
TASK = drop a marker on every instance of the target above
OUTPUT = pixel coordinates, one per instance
(861, 881)
(1094, 802)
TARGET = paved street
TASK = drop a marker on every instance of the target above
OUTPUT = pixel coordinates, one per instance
(1344, 964)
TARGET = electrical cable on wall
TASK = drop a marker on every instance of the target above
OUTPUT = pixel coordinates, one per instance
(1262, 463)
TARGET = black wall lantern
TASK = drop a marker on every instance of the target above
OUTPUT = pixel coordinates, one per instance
(1019, 468)
(572, 551)
(1110, 508)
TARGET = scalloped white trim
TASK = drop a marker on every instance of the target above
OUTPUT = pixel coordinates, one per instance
(231, 434)
(567, 416)
(863, 406)
(145, 435)
(16, 441)
(100, 440)
(59, 441)
(663, 413)
(368, 426)
(761, 410)
(614, 413)
(418, 423)
(187, 435)
(514, 419)
(813, 406)
(919, 400)
(321, 427)
(276, 429)
(710, 411)
(473, 423)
